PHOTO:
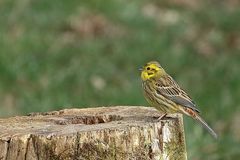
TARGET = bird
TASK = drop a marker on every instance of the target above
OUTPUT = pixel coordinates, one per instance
(163, 93)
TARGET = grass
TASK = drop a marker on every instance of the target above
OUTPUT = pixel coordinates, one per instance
(56, 55)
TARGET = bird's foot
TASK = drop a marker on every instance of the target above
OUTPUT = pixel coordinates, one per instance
(162, 116)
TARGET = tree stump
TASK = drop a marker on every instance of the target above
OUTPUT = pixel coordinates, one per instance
(105, 133)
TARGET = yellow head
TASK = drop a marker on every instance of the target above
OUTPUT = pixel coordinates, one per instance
(152, 70)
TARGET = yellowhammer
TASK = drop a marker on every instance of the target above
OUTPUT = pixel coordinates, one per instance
(163, 93)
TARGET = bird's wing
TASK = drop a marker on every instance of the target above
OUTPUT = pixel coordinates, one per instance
(168, 88)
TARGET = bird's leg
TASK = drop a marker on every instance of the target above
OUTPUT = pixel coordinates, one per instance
(162, 116)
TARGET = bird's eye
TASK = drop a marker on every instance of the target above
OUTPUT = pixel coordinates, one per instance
(148, 68)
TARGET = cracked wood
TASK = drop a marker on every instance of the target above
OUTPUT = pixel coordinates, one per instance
(104, 133)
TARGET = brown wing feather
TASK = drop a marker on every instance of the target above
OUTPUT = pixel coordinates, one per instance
(168, 88)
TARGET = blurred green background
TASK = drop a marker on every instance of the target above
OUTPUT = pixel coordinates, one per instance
(61, 54)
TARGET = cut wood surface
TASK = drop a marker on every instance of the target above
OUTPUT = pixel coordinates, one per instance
(104, 133)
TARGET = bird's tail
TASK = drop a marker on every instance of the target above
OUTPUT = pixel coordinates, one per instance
(199, 119)
(205, 125)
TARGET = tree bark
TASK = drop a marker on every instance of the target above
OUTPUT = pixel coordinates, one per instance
(105, 133)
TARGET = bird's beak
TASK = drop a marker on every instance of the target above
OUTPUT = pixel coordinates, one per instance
(140, 69)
